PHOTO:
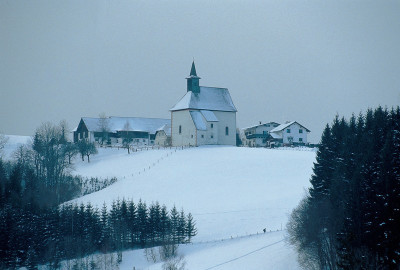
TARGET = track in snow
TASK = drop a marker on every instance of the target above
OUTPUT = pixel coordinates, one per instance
(247, 254)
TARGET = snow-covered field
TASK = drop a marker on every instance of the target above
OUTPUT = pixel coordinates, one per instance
(13, 142)
(231, 192)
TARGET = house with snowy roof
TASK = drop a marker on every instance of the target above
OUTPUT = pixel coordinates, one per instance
(140, 130)
(163, 136)
(290, 133)
(258, 135)
(203, 116)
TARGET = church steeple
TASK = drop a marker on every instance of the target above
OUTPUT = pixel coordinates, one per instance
(193, 80)
(193, 70)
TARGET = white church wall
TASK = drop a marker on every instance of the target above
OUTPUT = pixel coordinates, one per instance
(187, 136)
(226, 119)
(209, 136)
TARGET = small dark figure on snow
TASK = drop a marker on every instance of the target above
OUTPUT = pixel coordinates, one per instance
(264, 230)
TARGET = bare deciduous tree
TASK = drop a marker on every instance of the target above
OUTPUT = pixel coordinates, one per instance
(3, 141)
(127, 136)
(104, 128)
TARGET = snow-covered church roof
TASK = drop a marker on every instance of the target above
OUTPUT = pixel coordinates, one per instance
(209, 98)
(115, 124)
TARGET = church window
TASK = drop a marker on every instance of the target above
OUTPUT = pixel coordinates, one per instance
(202, 136)
(300, 131)
(212, 136)
(212, 125)
(191, 136)
(180, 129)
(226, 131)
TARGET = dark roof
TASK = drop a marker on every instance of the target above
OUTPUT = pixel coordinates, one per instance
(193, 70)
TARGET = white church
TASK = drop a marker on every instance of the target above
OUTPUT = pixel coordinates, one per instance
(204, 115)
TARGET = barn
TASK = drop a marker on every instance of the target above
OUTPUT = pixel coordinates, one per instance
(111, 130)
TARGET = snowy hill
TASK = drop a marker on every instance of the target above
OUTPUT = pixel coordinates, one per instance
(231, 192)
(13, 142)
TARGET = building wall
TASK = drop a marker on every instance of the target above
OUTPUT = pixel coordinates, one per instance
(226, 119)
(162, 139)
(294, 133)
(188, 131)
(209, 136)
(260, 129)
(214, 135)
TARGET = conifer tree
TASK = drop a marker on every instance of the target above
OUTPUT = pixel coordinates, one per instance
(174, 223)
(132, 223)
(191, 230)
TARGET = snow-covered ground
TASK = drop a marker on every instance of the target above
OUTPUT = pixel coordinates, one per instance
(264, 251)
(231, 192)
(13, 142)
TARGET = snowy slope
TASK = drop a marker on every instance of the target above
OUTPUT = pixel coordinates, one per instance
(13, 142)
(267, 251)
(230, 191)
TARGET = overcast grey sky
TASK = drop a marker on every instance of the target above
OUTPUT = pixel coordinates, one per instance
(281, 60)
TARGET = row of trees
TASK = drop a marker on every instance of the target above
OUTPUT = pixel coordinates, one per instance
(45, 165)
(35, 229)
(30, 238)
(20, 187)
(350, 218)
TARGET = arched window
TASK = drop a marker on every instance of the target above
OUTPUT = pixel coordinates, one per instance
(180, 129)
(226, 131)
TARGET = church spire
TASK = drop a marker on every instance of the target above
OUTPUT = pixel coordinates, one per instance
(193, 70)
(193, 80)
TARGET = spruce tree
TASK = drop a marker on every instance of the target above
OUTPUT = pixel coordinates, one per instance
(191, 230)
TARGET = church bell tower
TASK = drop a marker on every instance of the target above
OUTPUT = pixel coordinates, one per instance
(193, 81)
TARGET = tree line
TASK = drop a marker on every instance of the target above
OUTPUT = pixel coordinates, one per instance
(37, 228)
(350, 218)
(71, 231)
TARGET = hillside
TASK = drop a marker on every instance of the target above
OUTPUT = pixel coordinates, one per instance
(231, 192)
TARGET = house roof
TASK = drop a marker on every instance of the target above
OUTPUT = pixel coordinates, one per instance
(198, 120)
(209, 98)
(261, 125)
(275, 136)
(283, 126)
(166, 128)
(115, 124)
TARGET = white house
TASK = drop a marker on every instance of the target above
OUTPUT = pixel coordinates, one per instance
(290, 133)
(163, 136)
(258, 135)
(204, 115)
(141, 130)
